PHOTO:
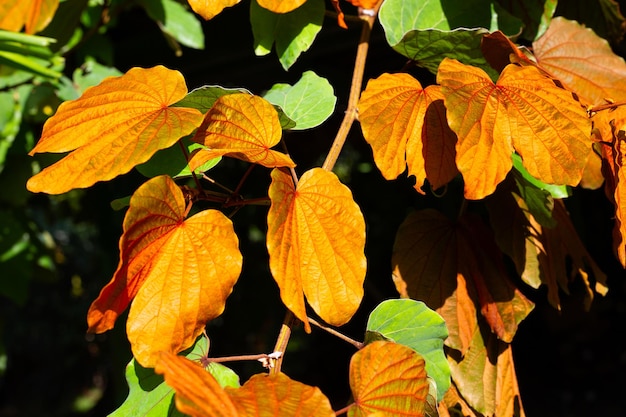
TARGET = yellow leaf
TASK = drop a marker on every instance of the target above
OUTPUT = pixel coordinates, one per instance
(316, 241)
(388, 379)
(34, 14)
(405, 124)
(241, 126)
(281, 6)
(166, 261)
(112, 127)
(524, 112)
(198, 394)
(208, 9)
(279, 396)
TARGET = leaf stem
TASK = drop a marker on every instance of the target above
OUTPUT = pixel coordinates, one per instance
(334, 332)
(345, 409)
(355, 87)
(282, 340)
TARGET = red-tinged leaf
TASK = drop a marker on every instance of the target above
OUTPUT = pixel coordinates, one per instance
(316, 241)
(279, 396)
(208, 9)
(198, 394)
(112, 127)
(366, 4)
(340, 16)
(461, 311)
(388, 379)
(582, 61)
(524, 111)
(405, 124)
(34, 14)
(499, 51)
(166, 261)
(241, 126)
(280, 6)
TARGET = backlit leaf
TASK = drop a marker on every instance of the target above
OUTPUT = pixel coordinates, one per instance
(405, 124)
(241, 126)
(316, 240)
(582, 61)
(166, 261)
(112, 127)
(281, 6)
(388, 379)
(292, 32)
(34, 14)
(524, 111)
(412, 324)
(279, 396)
(208, 9)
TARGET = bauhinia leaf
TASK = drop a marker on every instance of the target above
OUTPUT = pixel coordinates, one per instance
(405, 124)
(524, 112)
(582, 61)
(33, 14)
(388, 379)
(241, 126)
(166, 261)
(412, 324)
(208, 9)
(316, 241)
(198, 394)
(112, 127)
(281, 6)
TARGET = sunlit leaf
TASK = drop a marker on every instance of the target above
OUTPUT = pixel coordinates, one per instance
(34, 14)
(176, 21)
(316, 240)
(388, 378)
(281, 6)
(208, 9)
(366, 4)
(166, 261)
(279, 396)
(241, 126)
(292, 32)
(582, 61)
(203, 98)
(112, 127)
(309, 102)
(524, 111)
(405, 124)
(412, 324)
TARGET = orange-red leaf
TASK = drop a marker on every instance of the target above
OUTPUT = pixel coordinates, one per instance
(179, 271)
(388, 379)
(241, 126)
(582, 61)
(316, 241)
(405, 124)
(208, 9)
(524, 111)
(198, 394)
(34, 14)
(366, 4)
(279, 396)
(281, 6)
(112, 127)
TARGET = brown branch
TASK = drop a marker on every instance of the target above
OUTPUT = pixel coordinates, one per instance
(334, 332)
(282, 340)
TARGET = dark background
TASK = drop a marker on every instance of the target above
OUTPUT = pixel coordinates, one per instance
(569, 363)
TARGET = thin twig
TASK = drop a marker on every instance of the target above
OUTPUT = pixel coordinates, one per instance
(334, 332)
(282, 340)
(344, 410)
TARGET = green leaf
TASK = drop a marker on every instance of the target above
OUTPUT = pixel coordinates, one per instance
(150, 396)
(293, 32)
(413, 324)
(16, 258)
(204, 97)
(172, 162)
(309, 102)
(427, 31)
(536, 15)
(89, 74)
(177, 21)
(556, 191)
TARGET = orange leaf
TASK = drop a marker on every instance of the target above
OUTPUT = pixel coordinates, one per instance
(340, 16)
(281, 6)
(34, 14)
(278, 395)
(524, 111)
(404, 123)
(198, 394)
(388, 379)
(582, 61)
(242, 126)
(366, 4)
(316, 241)
(208, 9)
(166, 261)
(112, 127)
